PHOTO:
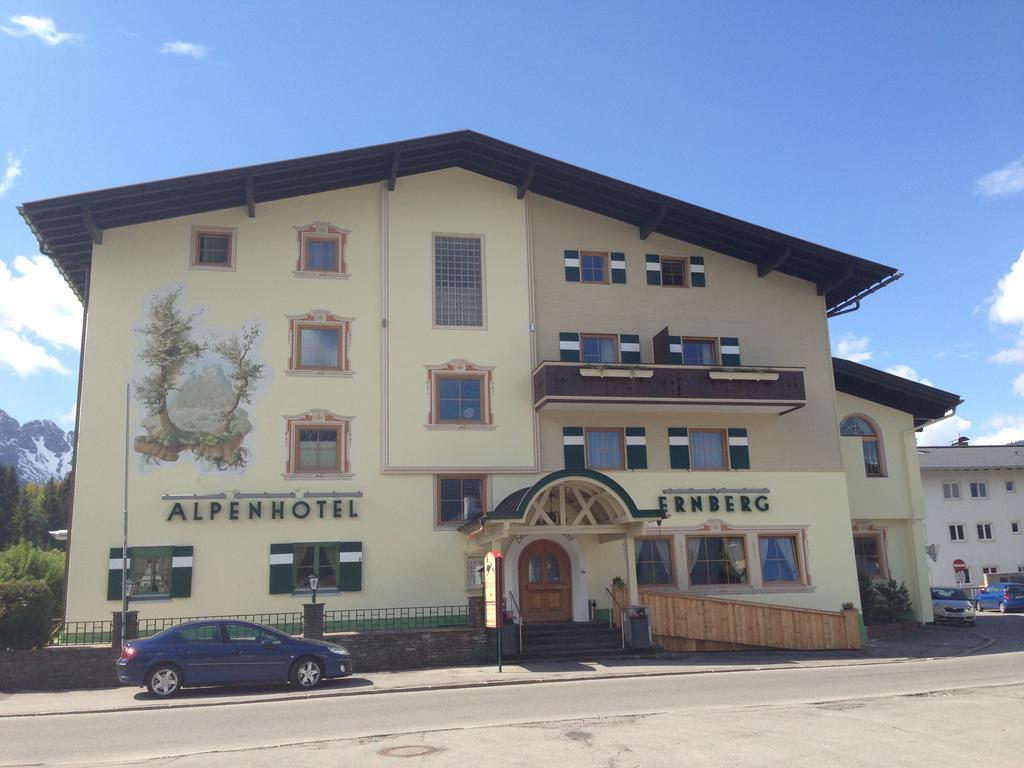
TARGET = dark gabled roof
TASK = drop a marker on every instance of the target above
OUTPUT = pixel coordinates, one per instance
(67, 227)
(924, 403)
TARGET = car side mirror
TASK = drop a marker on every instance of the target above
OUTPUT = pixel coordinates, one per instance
(271, 643)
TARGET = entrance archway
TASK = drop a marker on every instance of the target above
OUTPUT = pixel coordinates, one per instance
(545, 582)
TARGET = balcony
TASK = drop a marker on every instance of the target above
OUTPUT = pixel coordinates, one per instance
(732, 389)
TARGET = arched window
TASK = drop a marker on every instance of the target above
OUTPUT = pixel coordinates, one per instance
(871, 442)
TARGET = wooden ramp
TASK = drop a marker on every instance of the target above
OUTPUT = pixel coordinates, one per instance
(681, 622)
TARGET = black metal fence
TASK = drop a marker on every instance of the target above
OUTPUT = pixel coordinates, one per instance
(421, 617)
(341, 620)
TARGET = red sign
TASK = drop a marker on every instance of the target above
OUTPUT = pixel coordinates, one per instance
(959, 565)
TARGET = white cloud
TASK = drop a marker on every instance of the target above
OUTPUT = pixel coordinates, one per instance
(1008, 299)
(1005, 181)
(944, 432)
(852, 347)
(1018, 385)
(11, 172)
(37, 311)
(181, 48)
(1001, 430)
(1011, 355)
(906, 372)
(25, 357)
(41, 27)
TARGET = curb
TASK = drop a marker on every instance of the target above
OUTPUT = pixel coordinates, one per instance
(481, 684)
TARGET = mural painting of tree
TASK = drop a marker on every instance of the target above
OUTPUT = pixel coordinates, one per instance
(194, 389)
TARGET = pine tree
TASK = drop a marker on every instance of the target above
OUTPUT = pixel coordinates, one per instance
(29, 520)
(8, 504)
(51, 508)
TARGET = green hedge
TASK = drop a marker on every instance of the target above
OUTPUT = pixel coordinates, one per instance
(26, 608)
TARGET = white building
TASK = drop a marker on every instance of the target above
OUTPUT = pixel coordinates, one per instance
(974, 507)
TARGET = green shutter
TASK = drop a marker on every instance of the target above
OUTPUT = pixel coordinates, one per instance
(114, 573)
(569, 347)
(697, 279)
(181, 572)
(572, 447)
(653, 269)
(730, 348)
(350, 566)
(629, 348)
(572, 266)
(636, 448)
(282, 559)
(675, 349)
(679, 447)
(739, 451)
(618, 267)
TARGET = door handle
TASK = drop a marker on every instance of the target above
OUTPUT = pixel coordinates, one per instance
(187, 652)
(236, 652)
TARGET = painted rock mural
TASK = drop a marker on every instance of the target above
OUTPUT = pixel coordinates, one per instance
(194, 387)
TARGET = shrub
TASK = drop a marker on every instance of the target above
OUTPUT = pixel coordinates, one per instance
(27, 562)
(26, 608)
(894, 601)
(868, 598)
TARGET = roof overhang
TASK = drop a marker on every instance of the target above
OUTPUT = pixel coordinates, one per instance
(924, 403)
(67, 227)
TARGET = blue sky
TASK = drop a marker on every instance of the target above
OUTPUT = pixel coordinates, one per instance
(891, 131)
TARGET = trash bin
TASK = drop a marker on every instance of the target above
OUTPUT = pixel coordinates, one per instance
(638, 627)
(509, 639)
(592, 610)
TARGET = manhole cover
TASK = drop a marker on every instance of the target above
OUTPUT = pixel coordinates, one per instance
(418, 750)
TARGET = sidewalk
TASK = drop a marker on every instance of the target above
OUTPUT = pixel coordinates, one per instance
(931, 642)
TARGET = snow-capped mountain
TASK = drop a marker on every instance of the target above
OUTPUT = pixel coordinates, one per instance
(39, 449)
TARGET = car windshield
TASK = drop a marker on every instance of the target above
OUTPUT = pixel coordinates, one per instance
(940, 593)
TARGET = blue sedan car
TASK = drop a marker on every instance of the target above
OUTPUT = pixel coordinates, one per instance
(1000, 597)
(224, 652)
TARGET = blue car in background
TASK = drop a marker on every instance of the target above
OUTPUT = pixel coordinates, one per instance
(1000, 597)
(222, 652)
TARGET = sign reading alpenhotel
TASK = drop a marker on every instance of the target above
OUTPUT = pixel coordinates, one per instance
(317, 509)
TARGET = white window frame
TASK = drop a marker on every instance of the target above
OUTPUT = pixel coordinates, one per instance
(1010, 486)
(951, 487)
(991, 535)
(1018, 530)
(989, 570)
(961, 529)
(980, 485)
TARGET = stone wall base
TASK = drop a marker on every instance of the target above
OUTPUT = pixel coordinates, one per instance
(77, 667)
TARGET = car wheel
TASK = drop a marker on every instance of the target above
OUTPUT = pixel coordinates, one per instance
(1002, 607)
(307, 673)
(164, 681)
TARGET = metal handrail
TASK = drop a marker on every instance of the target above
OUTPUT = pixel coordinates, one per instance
(521, 621)
(622, 618)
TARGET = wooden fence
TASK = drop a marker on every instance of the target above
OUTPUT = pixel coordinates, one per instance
(681, 622)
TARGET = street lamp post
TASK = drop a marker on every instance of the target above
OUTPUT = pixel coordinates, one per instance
(313, 582)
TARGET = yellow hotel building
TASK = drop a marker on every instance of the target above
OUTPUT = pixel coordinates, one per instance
(376, 365)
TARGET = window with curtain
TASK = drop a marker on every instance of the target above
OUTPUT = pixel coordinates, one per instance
(707, 449)
(856, 426)
(716, 559)
(654, 561)
(318, 449)
(319, 347)
(212, 249)
(149, 572)
(698, 352)
(320, 560)
(321, 254)
(604, 449)
(779, 559)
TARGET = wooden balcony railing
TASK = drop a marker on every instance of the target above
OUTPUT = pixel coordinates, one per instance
(774, 390)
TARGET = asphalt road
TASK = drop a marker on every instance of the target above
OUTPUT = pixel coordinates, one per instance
(914, 713)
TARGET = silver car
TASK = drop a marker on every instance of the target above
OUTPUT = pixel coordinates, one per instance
(952, 604)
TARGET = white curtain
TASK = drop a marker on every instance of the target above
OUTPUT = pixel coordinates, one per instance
(604, 450)
(319, 347)
(706, 450)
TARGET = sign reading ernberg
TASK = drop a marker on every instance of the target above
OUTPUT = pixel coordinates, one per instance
(319, 509)
(717, 502)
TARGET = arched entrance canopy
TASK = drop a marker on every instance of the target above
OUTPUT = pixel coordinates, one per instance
(575, 501)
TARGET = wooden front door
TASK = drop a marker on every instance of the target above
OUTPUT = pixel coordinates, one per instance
(545, 583)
